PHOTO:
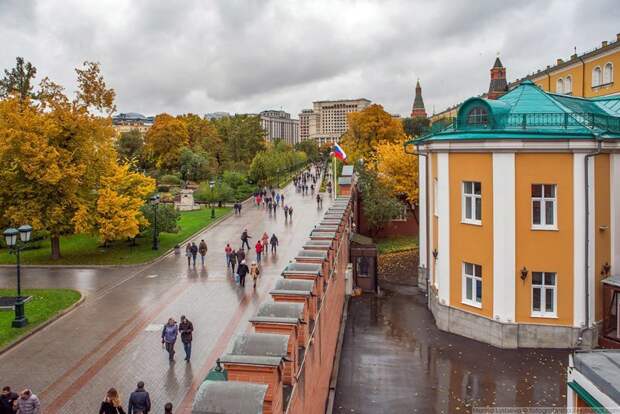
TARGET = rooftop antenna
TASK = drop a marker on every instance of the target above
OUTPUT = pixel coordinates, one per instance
(575, 49)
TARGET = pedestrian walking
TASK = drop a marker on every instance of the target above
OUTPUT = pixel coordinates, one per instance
(244, 239)
(111, 403)
(27, 403)
(168, 408)
(312, 188)
(202, 249)
(278, 198)
(274, 243)
(242, 271)
(254, 272)
(186, 328)
(240, 255)
(228, 251)
(139, 401)
(194, 250)
(259, 250)
(318, 200)
(232, 259)
(169, 337)
(282, 199)
(265, 240)
(239, 207)
(290, 212)
(188, 253)
(7, 400)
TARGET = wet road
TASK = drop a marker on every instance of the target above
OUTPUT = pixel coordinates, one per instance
(395, 360)
(113, 339)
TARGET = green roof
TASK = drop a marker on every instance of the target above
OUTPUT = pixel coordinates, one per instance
(529, 113)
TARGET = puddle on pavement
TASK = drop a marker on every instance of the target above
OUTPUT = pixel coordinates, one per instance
(395, 360)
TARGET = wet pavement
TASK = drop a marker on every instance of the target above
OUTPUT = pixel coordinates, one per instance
(113, 338)
(395, 360)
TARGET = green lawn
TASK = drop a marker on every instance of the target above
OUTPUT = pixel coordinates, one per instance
(82, 249)
(397, 244)
(45, 304)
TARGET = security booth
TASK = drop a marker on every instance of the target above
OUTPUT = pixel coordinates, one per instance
(364, 261)
(610, 331)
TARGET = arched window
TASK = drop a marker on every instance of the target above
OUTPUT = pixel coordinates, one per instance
(608, 73)
(568, 85)
(559, 86)
(596, 76)
(478, 116)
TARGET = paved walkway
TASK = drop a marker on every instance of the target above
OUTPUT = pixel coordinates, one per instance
(113, 339)
(395, 360)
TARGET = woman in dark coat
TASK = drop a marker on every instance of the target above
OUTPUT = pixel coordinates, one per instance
(112, 403)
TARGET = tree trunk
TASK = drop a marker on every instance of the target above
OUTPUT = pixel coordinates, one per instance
(55, 247)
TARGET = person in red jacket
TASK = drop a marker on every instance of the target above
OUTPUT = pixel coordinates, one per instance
(259, 250)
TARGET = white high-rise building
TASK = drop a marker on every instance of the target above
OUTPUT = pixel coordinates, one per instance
(279, 125)
(327, 120)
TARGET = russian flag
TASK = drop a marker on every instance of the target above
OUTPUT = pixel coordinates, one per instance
(339, 152)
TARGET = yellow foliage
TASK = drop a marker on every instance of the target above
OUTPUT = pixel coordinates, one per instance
(368, 129)
(165, 139)
(398, 170)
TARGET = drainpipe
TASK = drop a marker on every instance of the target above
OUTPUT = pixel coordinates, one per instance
(426, 204)
(587, 238)
(583, 77)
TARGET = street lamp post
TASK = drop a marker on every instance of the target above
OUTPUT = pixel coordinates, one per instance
(211, 185)
(278, 175)
(10, 236)
(155, 204)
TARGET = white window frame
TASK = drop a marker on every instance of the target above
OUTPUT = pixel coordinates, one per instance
(543, 211)
(543, 287)
(473, 196)
(474, 278)
(568, 85)
(436, 197)
(607, 79)
(597, 76)
(559, 86)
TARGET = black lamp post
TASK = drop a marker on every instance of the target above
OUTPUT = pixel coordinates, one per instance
(155, 204)
(10, 235)
(211, 185)
(278, 175)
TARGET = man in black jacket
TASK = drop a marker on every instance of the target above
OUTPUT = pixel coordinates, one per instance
(242, 270)
(7, 399)
(139, 401)
(186, 328)
(244, 239)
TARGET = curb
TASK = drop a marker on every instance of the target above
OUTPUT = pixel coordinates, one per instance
(153, 261)
(44, 324)
(333, 382)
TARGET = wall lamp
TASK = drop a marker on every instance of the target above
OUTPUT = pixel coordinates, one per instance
(524, 273)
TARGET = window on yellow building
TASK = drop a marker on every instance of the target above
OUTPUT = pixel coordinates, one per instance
(472, 202)
(544, 207)
(472, 284)
(568, 85)
(596, 76)
(544, 294)
(608, 73)
(559, 86)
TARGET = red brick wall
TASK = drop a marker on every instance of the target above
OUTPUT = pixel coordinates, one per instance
(261, 375)
(290, 367)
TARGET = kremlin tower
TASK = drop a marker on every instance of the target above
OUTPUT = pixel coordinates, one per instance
(418, 110)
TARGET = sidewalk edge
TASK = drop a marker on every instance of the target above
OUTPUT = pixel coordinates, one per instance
(44, 324)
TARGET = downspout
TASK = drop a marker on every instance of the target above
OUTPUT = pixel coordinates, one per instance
(426, 218)
(587, 238)
(583, 77)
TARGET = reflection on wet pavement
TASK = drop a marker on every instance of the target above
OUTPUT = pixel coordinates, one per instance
(395, 360)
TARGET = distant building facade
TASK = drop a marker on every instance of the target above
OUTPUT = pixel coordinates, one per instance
(304, 124)
(216, 115)
(280, 125)
(327, 120)
(125, 122)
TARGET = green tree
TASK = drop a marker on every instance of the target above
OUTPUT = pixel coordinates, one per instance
(377, 204)
(18, 80)
(129, 146)
(221, 192)
(243, 138)
(416, 127)
(204, 137)
(310, 147)
(195, 166)
(167, 219)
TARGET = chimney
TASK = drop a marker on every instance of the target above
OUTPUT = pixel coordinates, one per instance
(559, 62)
(604, 43)
(573, 56)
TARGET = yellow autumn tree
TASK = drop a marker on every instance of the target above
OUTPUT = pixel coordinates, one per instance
(399, 171)
(164, 141)
(120, 196)
(367, 129)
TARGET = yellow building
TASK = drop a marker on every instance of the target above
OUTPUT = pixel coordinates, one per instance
(588, 75)
(520, 217)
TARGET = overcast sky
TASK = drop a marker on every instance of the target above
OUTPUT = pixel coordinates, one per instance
(246, 56)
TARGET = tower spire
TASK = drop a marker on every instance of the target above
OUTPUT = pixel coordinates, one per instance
(498, 85)
(418, 110)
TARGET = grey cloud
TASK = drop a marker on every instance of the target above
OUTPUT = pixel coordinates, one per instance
(246, 56)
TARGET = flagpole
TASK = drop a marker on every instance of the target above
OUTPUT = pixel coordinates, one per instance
(335, 183)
